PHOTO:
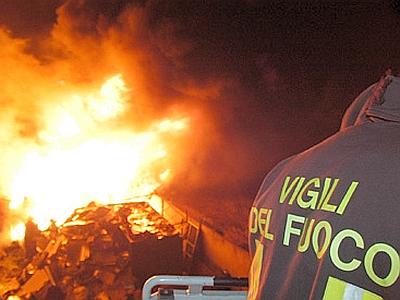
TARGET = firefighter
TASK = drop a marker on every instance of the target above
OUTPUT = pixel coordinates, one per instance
(325, 222)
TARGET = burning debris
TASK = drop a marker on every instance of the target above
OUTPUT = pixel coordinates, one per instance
(82, 131)
(100, 252)
(82, 144)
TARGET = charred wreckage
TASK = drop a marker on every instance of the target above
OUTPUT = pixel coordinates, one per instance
(100, 252)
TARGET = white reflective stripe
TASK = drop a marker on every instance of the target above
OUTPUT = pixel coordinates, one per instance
(337, 289)
(352, 292)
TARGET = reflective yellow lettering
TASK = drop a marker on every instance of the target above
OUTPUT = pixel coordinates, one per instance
(393, 274)
(297, 189)
(320, 251)
(291, 230)
(262, 220)
(324, 202)
(304, 242)
(286, 190)
(253, 220)
(347, 197)
(312, 194)
(334, 251)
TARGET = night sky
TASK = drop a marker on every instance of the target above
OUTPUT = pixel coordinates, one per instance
(272, 77)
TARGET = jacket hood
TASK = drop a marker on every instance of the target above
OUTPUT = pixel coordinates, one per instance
(379, 101)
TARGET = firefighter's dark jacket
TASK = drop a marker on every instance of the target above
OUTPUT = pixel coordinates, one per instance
(325, 223)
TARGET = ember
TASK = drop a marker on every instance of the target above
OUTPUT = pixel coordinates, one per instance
(100, 252)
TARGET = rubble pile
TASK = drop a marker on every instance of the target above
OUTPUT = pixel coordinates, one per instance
(100, 252)
(12, 261)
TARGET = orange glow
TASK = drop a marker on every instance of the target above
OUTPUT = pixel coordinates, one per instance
(17, 232)
(165, 175)
(80, 159)
(172, 125)
(111, 101)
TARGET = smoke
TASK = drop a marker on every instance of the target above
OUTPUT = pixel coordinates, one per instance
(146, 42)
(174, 69)
(86, 44)
(259, 81)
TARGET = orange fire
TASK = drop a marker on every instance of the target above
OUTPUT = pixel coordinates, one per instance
(80, 159)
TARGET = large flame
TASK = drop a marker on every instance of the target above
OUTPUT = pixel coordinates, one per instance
(80, 159)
